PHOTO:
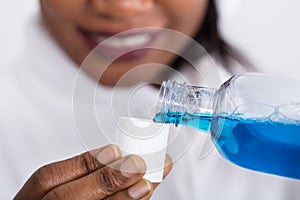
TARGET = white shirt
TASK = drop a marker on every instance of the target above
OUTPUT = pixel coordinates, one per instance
(38, 127)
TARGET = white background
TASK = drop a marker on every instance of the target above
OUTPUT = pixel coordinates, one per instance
(13, 15)
(267, 31)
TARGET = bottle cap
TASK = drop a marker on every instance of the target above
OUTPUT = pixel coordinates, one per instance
(146, 139)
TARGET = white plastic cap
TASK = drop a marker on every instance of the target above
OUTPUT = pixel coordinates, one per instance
(146, 139)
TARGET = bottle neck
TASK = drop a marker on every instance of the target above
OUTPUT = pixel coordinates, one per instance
(179, 102)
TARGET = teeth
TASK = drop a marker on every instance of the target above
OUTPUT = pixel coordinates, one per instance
(125, 42)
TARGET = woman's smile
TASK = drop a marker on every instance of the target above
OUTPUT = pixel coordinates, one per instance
(133, 43)
(120, 28)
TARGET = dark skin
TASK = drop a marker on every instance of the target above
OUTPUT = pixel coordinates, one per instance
(68, 21)
(85, 177)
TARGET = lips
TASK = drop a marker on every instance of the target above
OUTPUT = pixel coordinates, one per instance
(127, 44)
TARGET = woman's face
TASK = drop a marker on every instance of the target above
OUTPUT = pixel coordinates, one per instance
(80, 25)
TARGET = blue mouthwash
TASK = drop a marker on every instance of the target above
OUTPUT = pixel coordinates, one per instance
(249, 127)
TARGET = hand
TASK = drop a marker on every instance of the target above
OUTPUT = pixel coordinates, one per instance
(99, 174)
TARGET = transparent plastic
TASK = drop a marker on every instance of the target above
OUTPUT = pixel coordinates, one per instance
(253, 119)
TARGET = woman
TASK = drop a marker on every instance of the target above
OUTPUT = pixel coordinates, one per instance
(46, 134)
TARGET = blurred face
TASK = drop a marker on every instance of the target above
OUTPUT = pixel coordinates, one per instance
(80, 25)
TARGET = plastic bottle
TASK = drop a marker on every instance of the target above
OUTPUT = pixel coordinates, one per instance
(253, 119)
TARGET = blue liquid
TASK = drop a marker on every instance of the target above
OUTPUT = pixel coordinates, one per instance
(264, 146)
(200, 121)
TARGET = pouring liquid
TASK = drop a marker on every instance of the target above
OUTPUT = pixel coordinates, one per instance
(261, 145)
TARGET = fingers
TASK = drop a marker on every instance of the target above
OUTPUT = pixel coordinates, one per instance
(103, 182)
(87, 176)
(167, 170)
(50, 176)
(168, 165)
(141, 190)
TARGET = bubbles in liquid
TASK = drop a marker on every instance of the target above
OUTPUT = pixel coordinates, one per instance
(291, 111)
(251, 135)
(254, 133)
(253, 111)
(287, 113)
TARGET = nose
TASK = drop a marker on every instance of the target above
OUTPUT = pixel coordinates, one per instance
(121, 8)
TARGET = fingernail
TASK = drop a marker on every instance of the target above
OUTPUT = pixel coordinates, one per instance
(130, 167)
(139, 190)
(108, 155)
